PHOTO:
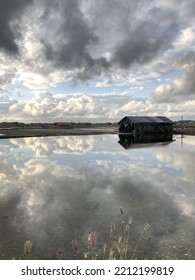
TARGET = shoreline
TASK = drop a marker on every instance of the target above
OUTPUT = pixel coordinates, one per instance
(8, 133)
(45, 132)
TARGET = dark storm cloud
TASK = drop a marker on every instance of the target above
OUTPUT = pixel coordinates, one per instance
(137, 48)
(81, 37)
(10, 10)
(147, 37)
(87, 38)
(76, 36)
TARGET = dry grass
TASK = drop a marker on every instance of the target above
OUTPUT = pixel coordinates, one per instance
(28, 247)
(119, 244)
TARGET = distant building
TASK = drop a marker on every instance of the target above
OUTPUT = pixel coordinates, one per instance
(63, 124)
(86, 123)
(142, 124)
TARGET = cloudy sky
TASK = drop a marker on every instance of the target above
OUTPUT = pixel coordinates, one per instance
(84, 60)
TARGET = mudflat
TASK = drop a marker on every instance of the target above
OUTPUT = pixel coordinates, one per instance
(41, 132)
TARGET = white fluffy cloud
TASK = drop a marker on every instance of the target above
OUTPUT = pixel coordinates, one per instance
(82, 107)
(181, 90)
(46, 105)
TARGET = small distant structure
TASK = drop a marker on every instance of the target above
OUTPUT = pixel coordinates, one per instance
(86, 123)
(144, 125)
(63, 124)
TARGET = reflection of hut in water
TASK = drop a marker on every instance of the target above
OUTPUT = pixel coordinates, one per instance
(144, 140)
(139, 125)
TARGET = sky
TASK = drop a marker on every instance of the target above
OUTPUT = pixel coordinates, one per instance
(84, 60)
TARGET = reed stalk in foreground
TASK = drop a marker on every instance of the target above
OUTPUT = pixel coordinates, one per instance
(146, 227)
(28, 247)
(118, 246)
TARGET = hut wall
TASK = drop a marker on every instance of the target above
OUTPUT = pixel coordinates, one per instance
(153, 127)
(144, 127)
(125, 126)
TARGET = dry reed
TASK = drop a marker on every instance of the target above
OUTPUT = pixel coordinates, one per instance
(119, 245)
(28, 247)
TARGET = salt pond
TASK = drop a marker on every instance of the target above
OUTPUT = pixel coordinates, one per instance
(57, 189)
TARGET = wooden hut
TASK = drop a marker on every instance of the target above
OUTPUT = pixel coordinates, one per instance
(141, 124)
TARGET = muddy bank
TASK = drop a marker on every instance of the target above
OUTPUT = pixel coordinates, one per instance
(42, 132)
(184, 131)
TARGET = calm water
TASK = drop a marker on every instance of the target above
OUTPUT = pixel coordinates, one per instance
(56, 189)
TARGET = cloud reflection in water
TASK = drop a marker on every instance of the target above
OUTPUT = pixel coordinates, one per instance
(55, 189)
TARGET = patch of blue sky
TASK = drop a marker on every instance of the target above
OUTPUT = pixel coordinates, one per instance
(168, 169)
(168, 78)
(146, 88)
(18, 157)
(83, 158)
(140, 89)
(69, 88)
(19, 91)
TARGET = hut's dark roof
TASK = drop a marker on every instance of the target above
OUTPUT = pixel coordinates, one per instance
(143, 119)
